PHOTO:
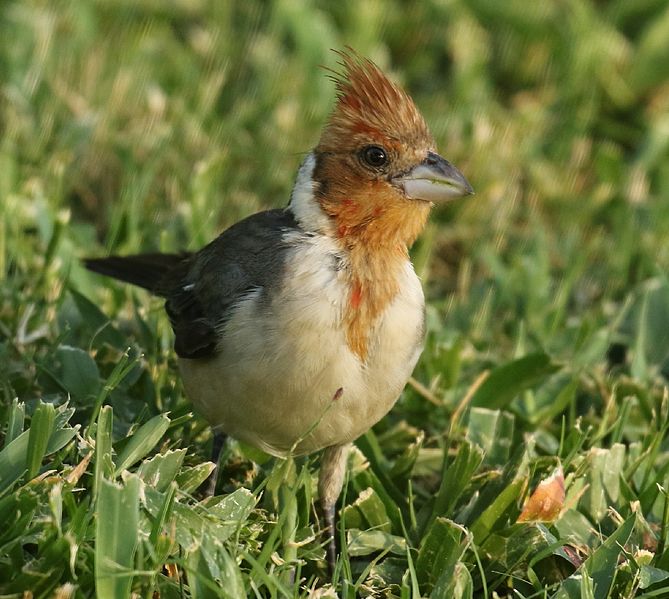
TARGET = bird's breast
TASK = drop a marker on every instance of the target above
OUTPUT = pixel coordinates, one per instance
(285, 352)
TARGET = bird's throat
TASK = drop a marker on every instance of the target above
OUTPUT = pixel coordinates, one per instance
(374, 278)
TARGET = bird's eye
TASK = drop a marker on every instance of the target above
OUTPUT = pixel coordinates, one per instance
(374, 156)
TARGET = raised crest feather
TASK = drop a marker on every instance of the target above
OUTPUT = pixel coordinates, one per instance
(369, 103)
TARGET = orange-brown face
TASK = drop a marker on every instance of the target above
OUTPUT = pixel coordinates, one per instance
(376, 166)
(357, 189)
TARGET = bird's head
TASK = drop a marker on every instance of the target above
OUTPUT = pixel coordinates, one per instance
(375, 171)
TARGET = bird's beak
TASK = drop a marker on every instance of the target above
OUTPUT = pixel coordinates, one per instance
(434, 180)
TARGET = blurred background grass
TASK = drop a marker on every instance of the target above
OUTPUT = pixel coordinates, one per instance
(135, 126)
(162, 123)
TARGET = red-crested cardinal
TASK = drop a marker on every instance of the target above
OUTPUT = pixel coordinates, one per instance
(288, 307)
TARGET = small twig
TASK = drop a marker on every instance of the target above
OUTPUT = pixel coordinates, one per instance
(466, 399)
(423, 391)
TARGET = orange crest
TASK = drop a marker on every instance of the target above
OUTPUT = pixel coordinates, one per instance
(368, 103)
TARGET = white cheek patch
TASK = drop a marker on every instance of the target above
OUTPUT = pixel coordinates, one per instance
(303, 202)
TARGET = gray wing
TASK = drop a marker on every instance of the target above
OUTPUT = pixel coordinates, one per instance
(203, 291)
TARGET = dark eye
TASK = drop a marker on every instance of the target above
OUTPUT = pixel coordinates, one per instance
(374, 156)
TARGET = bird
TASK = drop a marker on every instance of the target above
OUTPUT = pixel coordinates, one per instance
(297, 328)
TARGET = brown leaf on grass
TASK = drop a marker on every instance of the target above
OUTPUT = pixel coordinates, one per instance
(575, 557)
(65, 591)
(547, 501)
(172, 570)
(75, 474)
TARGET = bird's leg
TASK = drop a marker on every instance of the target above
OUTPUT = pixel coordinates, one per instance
(216, 451)
(330, 483)
(331, 549)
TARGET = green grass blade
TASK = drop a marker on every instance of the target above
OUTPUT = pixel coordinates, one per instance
(15, 421)
(456, 475)
(116, 537)
(41, 427)
(440, 549)
(15, 456)
(600, 566)
(142, 442)
(485, 523)
(104, 464)
(508, 380)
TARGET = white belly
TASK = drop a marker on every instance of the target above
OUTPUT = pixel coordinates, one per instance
(281, 362)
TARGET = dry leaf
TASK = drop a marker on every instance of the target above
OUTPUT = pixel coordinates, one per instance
(547, 501)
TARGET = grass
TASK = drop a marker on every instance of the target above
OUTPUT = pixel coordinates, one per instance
(131, 126)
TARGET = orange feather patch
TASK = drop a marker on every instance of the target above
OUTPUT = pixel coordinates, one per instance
(356, 296)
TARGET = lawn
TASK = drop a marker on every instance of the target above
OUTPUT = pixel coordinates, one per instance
(130, 126)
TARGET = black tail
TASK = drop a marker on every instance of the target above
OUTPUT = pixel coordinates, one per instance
(144, 270)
